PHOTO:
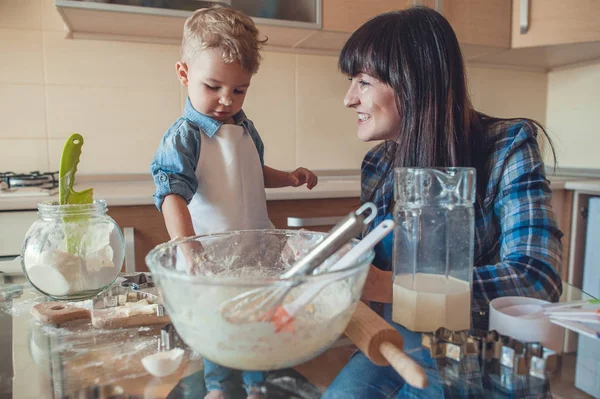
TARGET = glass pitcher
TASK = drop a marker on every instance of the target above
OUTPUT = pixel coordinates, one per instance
(433, 248)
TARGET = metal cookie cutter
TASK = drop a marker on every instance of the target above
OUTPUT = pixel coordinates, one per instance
(455, 345)
(10, 292)
(508, 363)
(137, 281)
(169, 338)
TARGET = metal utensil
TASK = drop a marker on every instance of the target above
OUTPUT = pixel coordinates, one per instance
(260, 304)
(283, 317)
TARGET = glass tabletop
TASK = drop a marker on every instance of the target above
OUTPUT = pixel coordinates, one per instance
(79, 361)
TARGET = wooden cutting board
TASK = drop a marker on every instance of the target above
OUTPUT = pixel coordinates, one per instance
(102, 317)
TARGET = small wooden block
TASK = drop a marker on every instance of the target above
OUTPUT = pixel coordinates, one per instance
(58, 312)
(109, 320)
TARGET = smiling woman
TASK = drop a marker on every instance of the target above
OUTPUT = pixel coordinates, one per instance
(408, 86)
(374, 101)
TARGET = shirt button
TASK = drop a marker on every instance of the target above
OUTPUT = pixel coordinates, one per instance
(163, 178)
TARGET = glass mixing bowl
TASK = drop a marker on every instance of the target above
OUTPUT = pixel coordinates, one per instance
(197, 275)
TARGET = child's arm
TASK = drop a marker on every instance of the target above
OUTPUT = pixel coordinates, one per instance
(276, 178)
(177, 217)
(179, 224)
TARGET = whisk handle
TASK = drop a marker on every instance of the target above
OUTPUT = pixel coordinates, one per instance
(340, 234)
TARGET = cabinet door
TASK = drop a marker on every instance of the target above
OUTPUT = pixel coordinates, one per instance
(477, 22)
(148, 228)
(554, 22)
(562, 204)
(348, 15)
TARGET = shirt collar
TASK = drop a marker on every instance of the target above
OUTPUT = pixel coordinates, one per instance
(207, 124)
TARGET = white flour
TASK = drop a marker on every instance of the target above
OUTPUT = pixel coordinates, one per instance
(257, 346)
(55, 271)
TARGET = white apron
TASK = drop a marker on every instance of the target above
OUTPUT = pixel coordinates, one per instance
(231, 189)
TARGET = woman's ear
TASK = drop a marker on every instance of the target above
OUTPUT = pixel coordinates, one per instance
(182, 73)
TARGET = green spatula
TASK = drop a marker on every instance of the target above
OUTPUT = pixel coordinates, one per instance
(68, 167)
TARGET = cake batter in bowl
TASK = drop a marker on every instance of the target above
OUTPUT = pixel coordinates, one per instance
(197, 274)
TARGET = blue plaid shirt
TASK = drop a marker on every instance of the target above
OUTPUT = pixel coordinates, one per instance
(517, 241)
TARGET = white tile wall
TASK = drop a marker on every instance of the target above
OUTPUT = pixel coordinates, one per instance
(22, 111)
(573, 104)
(326, 129)
(24, 155)
(270, 104)
(106, 63)
(51, 20)
(21, 14)
(21, 58)
(111, 113)
(509, 93)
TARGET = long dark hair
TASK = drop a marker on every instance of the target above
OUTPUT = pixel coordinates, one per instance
(416, 52)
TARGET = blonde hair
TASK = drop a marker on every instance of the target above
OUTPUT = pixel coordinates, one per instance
(226, 29)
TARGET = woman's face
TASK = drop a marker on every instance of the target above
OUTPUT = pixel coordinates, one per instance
(374, 102)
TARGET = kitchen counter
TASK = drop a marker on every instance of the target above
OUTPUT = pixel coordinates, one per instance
(136, 190)
(121, 192)
(590, 185)
(76, 360)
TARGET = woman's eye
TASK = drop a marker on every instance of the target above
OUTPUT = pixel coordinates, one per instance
(363, 83)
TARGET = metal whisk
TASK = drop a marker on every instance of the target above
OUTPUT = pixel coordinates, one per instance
(259, 304)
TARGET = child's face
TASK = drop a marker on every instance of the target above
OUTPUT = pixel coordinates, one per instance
(216, 89)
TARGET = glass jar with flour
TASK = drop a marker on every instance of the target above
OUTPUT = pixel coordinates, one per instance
(433, 248)
(72, 252)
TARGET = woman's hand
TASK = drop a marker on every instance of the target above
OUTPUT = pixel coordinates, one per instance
(378, 287)
(303, 176)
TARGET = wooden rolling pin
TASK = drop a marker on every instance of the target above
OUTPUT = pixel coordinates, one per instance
(383, 345)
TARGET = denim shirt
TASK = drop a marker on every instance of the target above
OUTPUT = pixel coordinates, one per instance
(174, 165)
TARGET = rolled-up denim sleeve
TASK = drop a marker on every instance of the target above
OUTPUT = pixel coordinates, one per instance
(174, 165)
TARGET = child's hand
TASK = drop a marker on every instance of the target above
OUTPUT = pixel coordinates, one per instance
(303, 176)
(192, 253)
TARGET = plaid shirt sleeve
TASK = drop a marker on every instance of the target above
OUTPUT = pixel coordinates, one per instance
(530, 246)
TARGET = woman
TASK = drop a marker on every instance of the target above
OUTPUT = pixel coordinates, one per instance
(407, 84)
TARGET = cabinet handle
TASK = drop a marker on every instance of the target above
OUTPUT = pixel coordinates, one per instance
(129, 235)
(307, 222)
(524, 16)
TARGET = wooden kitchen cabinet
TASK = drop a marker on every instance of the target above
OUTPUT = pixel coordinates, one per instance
(553, 22)
(481, 26)
(562, 204)
(348, 15)
(148, 228)
(477, 22)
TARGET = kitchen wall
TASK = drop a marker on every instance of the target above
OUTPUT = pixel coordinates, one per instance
(122, 97)
(573, 115)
